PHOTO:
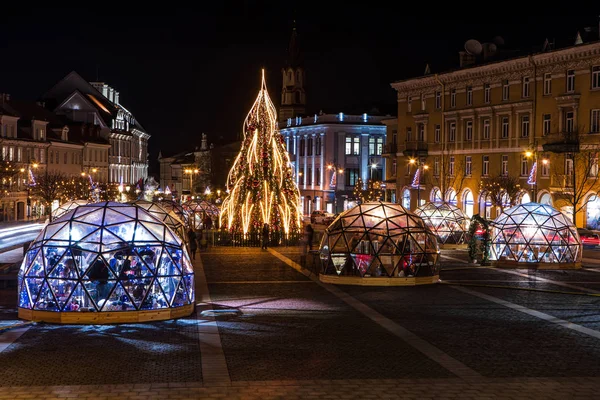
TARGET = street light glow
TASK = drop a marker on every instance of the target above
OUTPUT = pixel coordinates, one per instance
(528, 154)
(412, 161)
(425, 166)
(545, 161)
(373, 165)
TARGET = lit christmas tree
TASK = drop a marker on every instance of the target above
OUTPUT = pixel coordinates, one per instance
(371, 193)
(260, 184)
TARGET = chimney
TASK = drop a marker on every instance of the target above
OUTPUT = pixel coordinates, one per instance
(466, 59)
(116, 97)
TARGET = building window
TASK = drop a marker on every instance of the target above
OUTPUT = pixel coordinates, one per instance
(309, 176)
(300, 177)
(438, 100)
(504, 165)
(409, 134)
(569, 121)
(436, 166)
(451, 166)
(372, 146)
(452, 137)
(570, 80)
(318, 142)
(545, 168)
(469, 95)
(453, 98)
(423, 102)
(318, 176)
(595, 121)
(469, 130)
(596, 77)
(394, 166)
(547, 83)
(66, 156)
(504, 127)
(525, 126)
(547, 124)
(394, 137)
(309, 149)
(437, 134)
(505, 90)
(352, 175)
(524, 167)
(421, 132)
(355, 145)
(593, 160)
(19, 154)
(525, 86)
(468, 165)
(378, 145)
(486, 129)
(487, 93)
(485, 170)
(409, 104)
(303, 146)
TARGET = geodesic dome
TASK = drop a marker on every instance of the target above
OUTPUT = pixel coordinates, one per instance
(171, 205)
(106, 257)
(379, 239)
(199, 210)
(445, 220)
(534, 233)
(168, 217)
(68, 206)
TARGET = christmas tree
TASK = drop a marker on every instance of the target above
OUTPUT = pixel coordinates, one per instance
(260, 184)
(371, 193)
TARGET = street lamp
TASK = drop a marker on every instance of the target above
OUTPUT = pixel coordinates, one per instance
(191, 172)
(421, 166)
(335, 170)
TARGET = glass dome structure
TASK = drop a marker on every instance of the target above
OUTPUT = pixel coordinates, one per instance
(198, 211)
(103, 263)
(176, 208)
(68, 206)
(535, 233)
(447, 221)
(168, 217)
(378, 240)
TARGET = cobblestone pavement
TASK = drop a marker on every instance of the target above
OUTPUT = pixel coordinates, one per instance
(290, 338)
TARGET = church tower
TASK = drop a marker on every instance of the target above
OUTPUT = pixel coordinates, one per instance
(293, 97)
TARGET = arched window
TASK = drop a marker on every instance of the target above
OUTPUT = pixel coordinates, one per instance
(592, 212)
(436, 195)
(468, 202)
(451, 196)
(299, 78)
(485, 205)
(290, 76)
(406, 199)
(524, 198)
(546, 198)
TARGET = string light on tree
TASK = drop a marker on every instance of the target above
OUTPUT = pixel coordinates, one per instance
(260, 184)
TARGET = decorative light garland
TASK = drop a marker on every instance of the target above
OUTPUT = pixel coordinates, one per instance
(260, 183)
(532, 175)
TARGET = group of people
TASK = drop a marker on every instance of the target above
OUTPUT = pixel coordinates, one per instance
(197, 238)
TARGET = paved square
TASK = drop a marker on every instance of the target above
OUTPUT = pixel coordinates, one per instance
(481, 333)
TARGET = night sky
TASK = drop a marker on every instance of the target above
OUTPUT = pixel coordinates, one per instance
(191, 71)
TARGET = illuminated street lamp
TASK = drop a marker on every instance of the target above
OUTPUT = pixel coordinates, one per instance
(191, 172)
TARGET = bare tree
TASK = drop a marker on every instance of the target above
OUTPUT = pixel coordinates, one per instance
(8, 172)
(451, 173)
(579, 179)
(503, 190)
(49, 187)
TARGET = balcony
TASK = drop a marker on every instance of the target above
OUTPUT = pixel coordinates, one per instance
(415, 149)
(562, 142)
(561, 183)
(390, 149)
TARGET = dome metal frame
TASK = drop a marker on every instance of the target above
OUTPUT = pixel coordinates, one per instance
(447, 221)
(68, 206)
(103, 263)
(168, 217)
(535, 235)
(197, 210)
(379, 243)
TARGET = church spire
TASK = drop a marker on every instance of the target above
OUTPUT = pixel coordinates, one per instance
(293, 96)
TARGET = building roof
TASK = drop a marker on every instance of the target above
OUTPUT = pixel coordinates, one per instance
(294, 57)
(338, 119)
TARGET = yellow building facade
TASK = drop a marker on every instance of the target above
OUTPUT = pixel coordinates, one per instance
(456, 129)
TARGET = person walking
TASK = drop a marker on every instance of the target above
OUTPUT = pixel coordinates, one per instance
(265, 236)
(192, 242)
(309, 234)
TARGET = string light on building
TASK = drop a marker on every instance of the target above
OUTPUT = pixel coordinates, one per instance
(260, 185)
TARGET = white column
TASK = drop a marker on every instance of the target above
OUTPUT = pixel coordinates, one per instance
(322, 137)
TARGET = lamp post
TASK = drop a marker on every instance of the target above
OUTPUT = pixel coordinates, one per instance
(191, 172)
(335, 170)
(421, 167)
(532, 180)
